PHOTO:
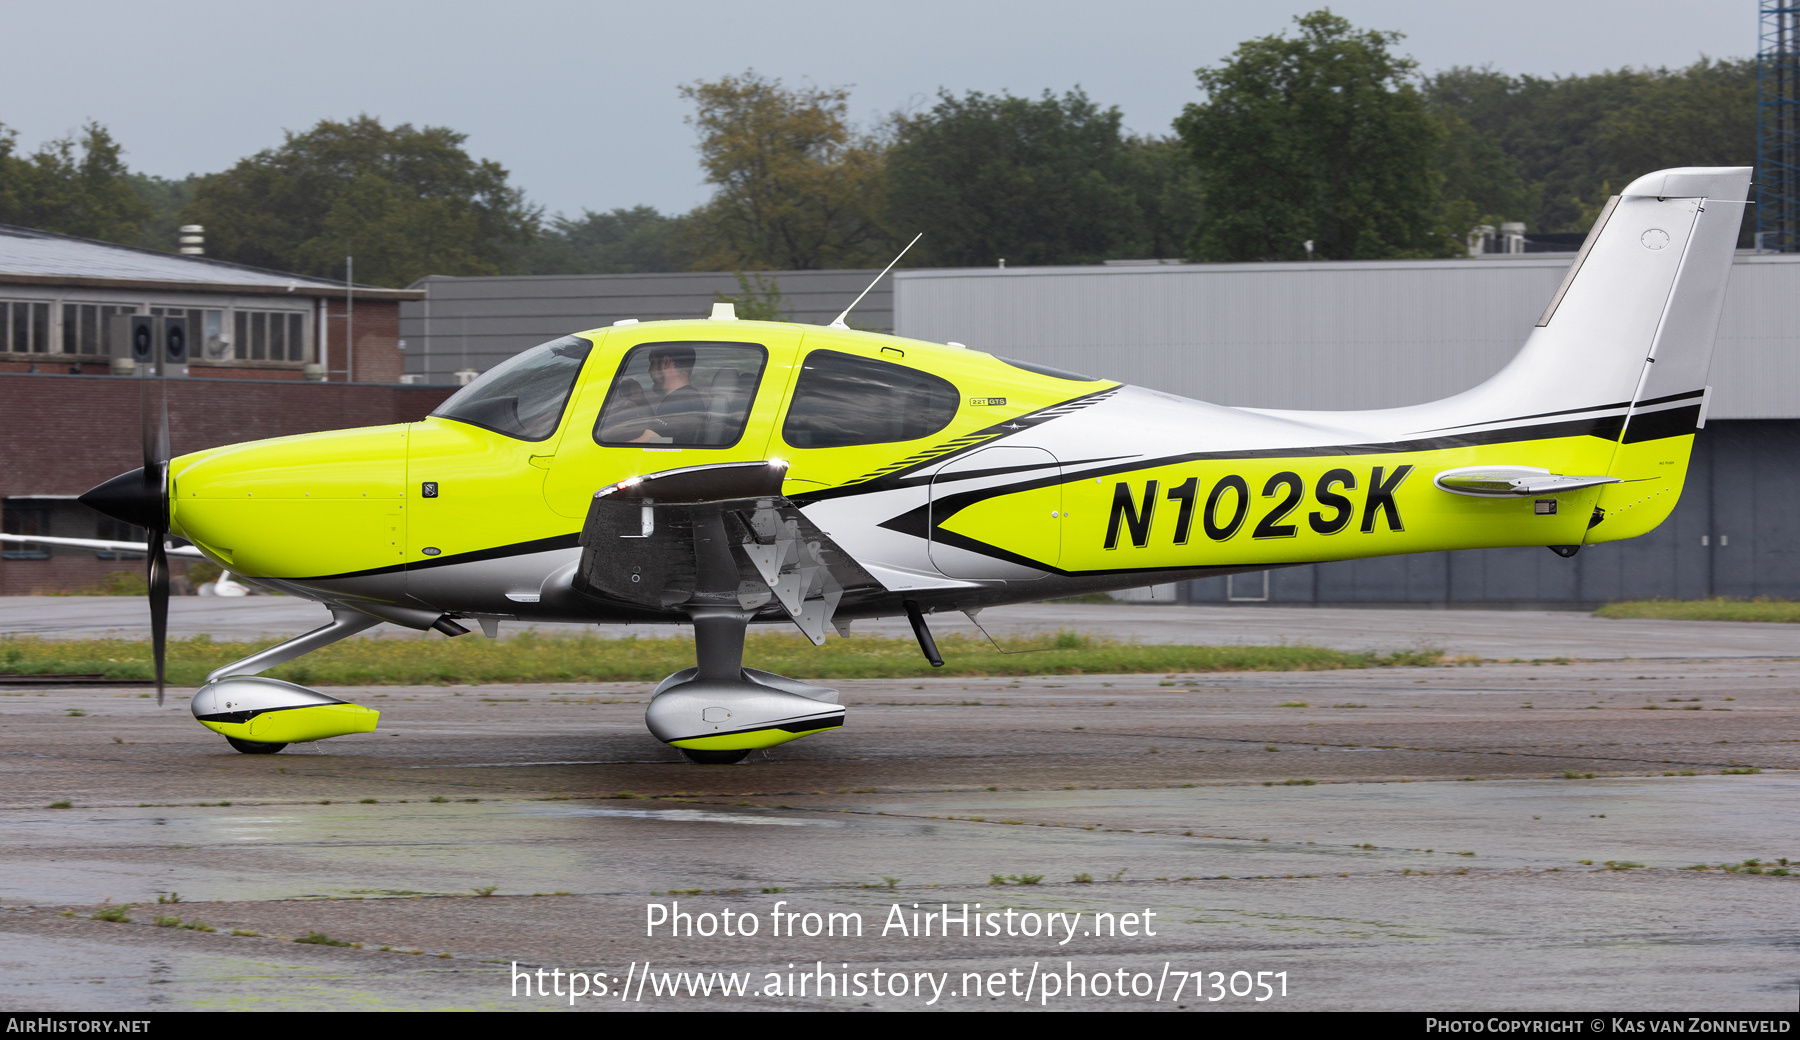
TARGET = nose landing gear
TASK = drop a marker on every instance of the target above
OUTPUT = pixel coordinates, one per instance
(260, 716)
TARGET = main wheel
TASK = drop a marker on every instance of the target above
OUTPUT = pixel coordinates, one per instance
(251, 747)
(714, 758)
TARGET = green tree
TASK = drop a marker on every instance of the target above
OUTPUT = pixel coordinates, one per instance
(1165, 185)
(71, 188)
(1046, 181)
(405, 202)
(624, 241)
(797, 188)
(1571, 141)
(1321, 136)
(166, 198)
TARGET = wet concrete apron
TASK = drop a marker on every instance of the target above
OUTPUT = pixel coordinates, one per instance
(1405, 838)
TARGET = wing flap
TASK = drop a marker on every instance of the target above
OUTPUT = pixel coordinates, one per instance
(715, 536)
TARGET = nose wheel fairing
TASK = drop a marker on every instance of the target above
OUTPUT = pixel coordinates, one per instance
(261, 710)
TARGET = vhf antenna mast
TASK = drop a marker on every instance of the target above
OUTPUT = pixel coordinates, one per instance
(838, 322)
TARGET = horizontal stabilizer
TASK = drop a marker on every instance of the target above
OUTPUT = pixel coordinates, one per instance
(1513, 481)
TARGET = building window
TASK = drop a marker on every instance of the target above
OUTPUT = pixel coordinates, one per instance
(108, 529)
(205, 330)
(25, 517)
(269, 335)
(98, 329)
(24, 327)
(62, 518)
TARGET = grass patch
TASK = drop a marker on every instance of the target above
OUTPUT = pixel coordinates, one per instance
(534, 658)
(1750, 866)
(320, 939)
(1761, 608)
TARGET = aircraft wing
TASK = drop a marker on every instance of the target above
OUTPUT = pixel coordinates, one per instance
(718, 537)
(184, 551)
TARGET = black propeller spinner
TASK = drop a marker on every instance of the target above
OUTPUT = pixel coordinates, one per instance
(141, 498)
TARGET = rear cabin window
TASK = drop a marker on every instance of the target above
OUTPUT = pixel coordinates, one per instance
(687, 395)
(841, 399)
(523, 396)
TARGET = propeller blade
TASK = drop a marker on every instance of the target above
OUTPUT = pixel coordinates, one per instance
(156, 487)
(159, 605)
(156, 432)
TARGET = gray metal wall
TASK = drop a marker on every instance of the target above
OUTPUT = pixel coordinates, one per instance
(1321, 335)
(1742, 497)
(478, 322)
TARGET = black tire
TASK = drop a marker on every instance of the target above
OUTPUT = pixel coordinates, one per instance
(714, 758)
(251, 747)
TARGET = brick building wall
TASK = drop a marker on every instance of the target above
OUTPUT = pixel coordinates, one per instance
(62, 434)
(375, 324)
(58, 364)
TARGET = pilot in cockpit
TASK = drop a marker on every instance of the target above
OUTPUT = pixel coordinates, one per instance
(678, 413)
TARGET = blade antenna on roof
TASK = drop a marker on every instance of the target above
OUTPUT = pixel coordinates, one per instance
(838, 322)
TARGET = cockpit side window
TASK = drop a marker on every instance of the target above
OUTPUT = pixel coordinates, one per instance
(842, 399)
(525, 395)
(686, 394)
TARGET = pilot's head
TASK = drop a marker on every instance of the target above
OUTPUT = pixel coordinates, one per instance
(671, 366)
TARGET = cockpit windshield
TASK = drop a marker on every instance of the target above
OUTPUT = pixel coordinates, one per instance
(524, 396)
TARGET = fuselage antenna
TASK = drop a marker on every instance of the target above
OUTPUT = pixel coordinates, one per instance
(838, 322)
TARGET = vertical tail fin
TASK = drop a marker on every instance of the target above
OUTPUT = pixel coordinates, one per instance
(1633, 322)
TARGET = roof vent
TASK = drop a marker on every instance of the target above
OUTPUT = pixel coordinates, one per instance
(724, 312)
(193, 240)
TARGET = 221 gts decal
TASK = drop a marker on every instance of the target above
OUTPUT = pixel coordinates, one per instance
(1227, 506)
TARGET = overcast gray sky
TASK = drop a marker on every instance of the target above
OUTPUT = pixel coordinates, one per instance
(578, 99)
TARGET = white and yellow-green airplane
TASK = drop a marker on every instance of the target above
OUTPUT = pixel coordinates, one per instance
(721, 473)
